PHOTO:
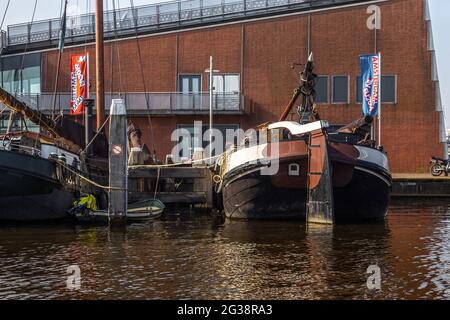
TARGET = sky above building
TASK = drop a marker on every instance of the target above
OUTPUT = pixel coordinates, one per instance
(22, 11)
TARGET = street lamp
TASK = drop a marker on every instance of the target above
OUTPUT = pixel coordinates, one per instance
(211, 72)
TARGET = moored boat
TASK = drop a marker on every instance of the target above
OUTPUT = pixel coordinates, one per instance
(30, 189)
(140, 211)
(360, 176)
(40, 171)
(270, 179)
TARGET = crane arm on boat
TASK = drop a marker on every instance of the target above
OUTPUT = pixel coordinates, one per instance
(38, 118)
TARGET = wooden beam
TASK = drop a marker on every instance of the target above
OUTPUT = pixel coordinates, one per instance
(118, 162)
(320, 205)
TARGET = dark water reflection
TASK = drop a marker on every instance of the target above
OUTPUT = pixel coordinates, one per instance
(204, 257)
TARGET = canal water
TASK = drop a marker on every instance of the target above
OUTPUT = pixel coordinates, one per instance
(199, 256)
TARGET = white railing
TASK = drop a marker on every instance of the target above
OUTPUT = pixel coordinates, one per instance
(156, 16)
(156, 103)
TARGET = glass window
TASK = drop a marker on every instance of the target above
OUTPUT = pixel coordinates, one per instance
(219, 84)
(340, 89)
(31, 80)
(189, 83)
(359, 89)
(225, 129)
(226, 83)
(21, 74)
(322, 90)
(388, 88)
(17, 124)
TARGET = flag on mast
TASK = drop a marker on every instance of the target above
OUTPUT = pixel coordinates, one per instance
(62, 28)
(371, 84)
(79, 79)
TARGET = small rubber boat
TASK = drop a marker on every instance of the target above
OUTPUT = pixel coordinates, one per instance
(139, 211)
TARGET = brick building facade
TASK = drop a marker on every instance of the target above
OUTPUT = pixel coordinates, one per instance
(257, 53)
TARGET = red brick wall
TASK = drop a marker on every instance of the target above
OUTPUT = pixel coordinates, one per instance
(410, 128)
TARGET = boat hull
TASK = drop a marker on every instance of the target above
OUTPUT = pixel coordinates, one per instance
(361, 189)
(29, 190)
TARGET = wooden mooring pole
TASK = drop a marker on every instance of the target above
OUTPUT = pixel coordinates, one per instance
(118, 164)
(320, 206)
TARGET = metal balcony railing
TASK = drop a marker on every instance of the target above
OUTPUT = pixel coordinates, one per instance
(158, 103)
(127, 21)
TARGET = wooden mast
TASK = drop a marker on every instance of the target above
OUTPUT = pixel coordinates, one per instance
(100, 68)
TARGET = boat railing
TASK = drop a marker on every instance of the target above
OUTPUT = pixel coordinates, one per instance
(16, 147)
(126, 21)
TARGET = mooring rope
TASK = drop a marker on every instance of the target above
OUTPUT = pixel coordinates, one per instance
(157, 182)
(96, 135)
(89, 180)
(156, 166)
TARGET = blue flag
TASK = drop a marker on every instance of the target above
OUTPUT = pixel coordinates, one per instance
(371, 80)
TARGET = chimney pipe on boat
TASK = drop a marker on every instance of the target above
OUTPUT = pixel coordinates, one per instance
(89, 105)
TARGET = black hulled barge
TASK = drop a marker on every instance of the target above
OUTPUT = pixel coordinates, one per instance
(360, 176)
(38, 170)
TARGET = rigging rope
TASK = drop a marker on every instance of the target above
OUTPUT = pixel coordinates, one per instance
(3, 110)
(116, 43)
(63, 11)
(150, 126)
(26, 49)
(4, 15)
(96, 135)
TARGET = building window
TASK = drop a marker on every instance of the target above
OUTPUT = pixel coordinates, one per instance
(17, 124)
(340, 89)
(388, 89)
(229, 133)
(226, 83)
(21, 74)
(190, 83)
(322, 93)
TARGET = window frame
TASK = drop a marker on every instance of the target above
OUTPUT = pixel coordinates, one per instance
(328, 89)
(205, 127)
(395, 89)
(386, 75)
(191, 75)
(348, 89)
(225, 74)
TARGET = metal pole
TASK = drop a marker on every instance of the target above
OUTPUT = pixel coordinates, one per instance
(211, 92)
(99, 57)
(88, 104)
(309, 32)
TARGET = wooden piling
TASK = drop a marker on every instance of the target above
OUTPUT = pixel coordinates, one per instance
(118, 163)
(320, 206)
